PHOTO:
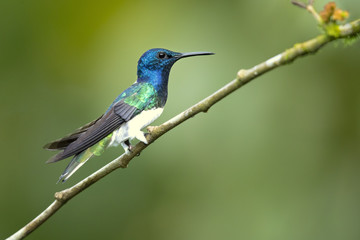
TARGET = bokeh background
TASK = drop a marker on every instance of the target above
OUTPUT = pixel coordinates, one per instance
(278, 159)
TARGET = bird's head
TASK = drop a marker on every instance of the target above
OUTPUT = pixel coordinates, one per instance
(157, 62)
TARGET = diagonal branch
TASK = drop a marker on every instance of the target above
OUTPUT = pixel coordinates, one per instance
(243, 76)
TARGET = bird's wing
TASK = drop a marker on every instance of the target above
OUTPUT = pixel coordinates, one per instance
(63, 142)
(131, 102)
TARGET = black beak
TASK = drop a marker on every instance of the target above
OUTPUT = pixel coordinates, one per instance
(190, 54)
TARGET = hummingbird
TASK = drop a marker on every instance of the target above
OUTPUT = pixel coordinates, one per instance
(135, 108)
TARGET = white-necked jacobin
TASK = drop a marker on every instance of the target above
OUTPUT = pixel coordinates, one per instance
(135, 108)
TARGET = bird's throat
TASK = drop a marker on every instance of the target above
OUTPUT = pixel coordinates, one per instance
(158, 79)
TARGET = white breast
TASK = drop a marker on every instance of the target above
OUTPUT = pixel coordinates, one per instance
(131, 128)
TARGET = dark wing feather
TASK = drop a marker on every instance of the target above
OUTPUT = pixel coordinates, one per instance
(124, 110)
(102, 128)
(62, 143)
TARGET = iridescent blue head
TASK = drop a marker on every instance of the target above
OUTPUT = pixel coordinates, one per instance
(155, 64)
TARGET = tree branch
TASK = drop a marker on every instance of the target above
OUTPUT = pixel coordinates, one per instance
(243, 76)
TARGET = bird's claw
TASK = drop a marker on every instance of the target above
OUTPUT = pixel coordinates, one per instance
(127, 146)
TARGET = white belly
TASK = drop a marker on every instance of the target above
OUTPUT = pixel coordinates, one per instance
(131, 128)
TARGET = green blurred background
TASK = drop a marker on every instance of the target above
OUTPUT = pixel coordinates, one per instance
(278, 159)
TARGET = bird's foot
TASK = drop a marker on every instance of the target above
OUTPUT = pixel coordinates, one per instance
(127, 146)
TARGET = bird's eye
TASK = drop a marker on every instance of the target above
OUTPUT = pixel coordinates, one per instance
(162, 55)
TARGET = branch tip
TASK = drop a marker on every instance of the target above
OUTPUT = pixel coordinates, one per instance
(299, 4)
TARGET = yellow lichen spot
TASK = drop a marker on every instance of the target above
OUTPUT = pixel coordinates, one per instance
(332, 30)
